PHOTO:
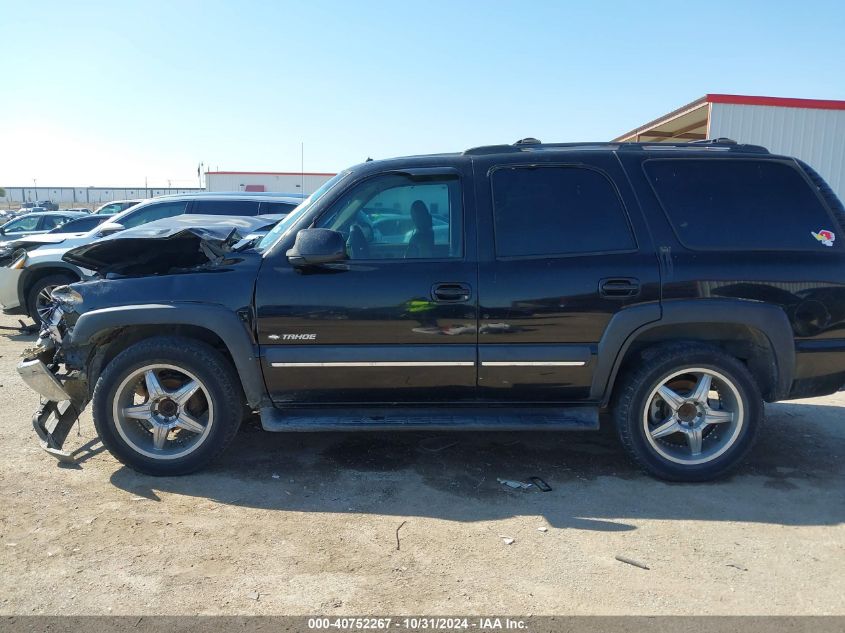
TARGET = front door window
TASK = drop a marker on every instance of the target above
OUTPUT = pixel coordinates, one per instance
(395, 216)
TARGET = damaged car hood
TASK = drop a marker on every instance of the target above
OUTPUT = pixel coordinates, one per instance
(166, 246)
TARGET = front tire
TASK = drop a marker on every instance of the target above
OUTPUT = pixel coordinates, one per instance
(167, 405)
(688, 412)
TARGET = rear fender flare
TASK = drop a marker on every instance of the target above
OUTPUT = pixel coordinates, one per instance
(627, 325)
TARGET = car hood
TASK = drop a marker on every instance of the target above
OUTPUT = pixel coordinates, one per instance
(47, 238)
(12, 238)
(165, 246)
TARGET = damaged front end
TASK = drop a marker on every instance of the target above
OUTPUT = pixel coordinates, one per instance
(188, 260)
(182, 244)
(63, 394)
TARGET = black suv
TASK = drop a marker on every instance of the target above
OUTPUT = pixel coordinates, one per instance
(526, 286)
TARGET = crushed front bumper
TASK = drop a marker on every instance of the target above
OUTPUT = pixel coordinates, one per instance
(61, 404)
(41, 380)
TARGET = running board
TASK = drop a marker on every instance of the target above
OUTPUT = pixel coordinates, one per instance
(424, 419)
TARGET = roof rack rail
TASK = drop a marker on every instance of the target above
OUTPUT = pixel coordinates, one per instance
(720, 143)
(713, 141)
(532, 144)
(529, 144)
(491, 149)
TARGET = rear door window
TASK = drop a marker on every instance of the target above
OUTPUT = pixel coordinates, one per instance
(225, 207)
(557, 210)
(739, 205)
(50, 222)
(80, 225)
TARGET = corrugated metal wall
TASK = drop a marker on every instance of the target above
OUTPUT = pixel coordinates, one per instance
(85, 195)
(815, 136)
(279, 183)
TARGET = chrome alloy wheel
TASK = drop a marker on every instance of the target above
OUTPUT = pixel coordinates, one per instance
(44, 302)
(693, 416)
(163, 411)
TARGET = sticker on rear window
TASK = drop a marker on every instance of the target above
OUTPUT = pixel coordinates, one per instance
(825, 237)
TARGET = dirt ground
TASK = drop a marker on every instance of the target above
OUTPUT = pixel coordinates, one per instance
(307, 524)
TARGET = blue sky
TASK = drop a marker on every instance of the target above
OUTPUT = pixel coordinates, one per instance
(111, 93)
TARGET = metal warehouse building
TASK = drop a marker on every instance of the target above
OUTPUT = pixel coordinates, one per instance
(276, 181)
(810, 129)
(90, 196)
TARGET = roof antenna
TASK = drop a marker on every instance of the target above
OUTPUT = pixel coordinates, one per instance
(530, 140)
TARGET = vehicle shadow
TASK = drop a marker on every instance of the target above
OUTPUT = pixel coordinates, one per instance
(15, 334)
(795, 476)
(80, 455)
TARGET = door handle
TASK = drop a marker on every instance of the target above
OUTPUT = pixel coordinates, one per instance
(619, 287)
(451, 292)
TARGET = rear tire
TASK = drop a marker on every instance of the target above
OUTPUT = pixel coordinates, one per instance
(167, 405)
(687, 411)
(38, 297)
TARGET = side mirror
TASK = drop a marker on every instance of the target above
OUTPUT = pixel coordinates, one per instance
(317, 246)
(107, 228)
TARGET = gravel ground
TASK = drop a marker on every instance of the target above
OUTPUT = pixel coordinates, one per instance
(307, 524)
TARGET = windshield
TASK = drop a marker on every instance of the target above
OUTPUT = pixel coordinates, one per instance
(291, 218)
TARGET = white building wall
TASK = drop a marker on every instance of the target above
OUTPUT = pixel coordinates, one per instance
(815, 136)
(84, 196)
(277, 183)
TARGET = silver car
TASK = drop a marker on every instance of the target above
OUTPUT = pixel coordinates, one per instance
(36, 223)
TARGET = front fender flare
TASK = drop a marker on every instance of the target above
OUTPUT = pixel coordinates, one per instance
(220, 320)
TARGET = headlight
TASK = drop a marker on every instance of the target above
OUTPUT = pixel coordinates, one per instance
(18, 263)
(66, 295)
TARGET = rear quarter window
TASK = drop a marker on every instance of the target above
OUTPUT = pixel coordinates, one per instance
(741, 205)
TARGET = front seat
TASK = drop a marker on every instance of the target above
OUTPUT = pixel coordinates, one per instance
(421, 244)
(356, 244)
